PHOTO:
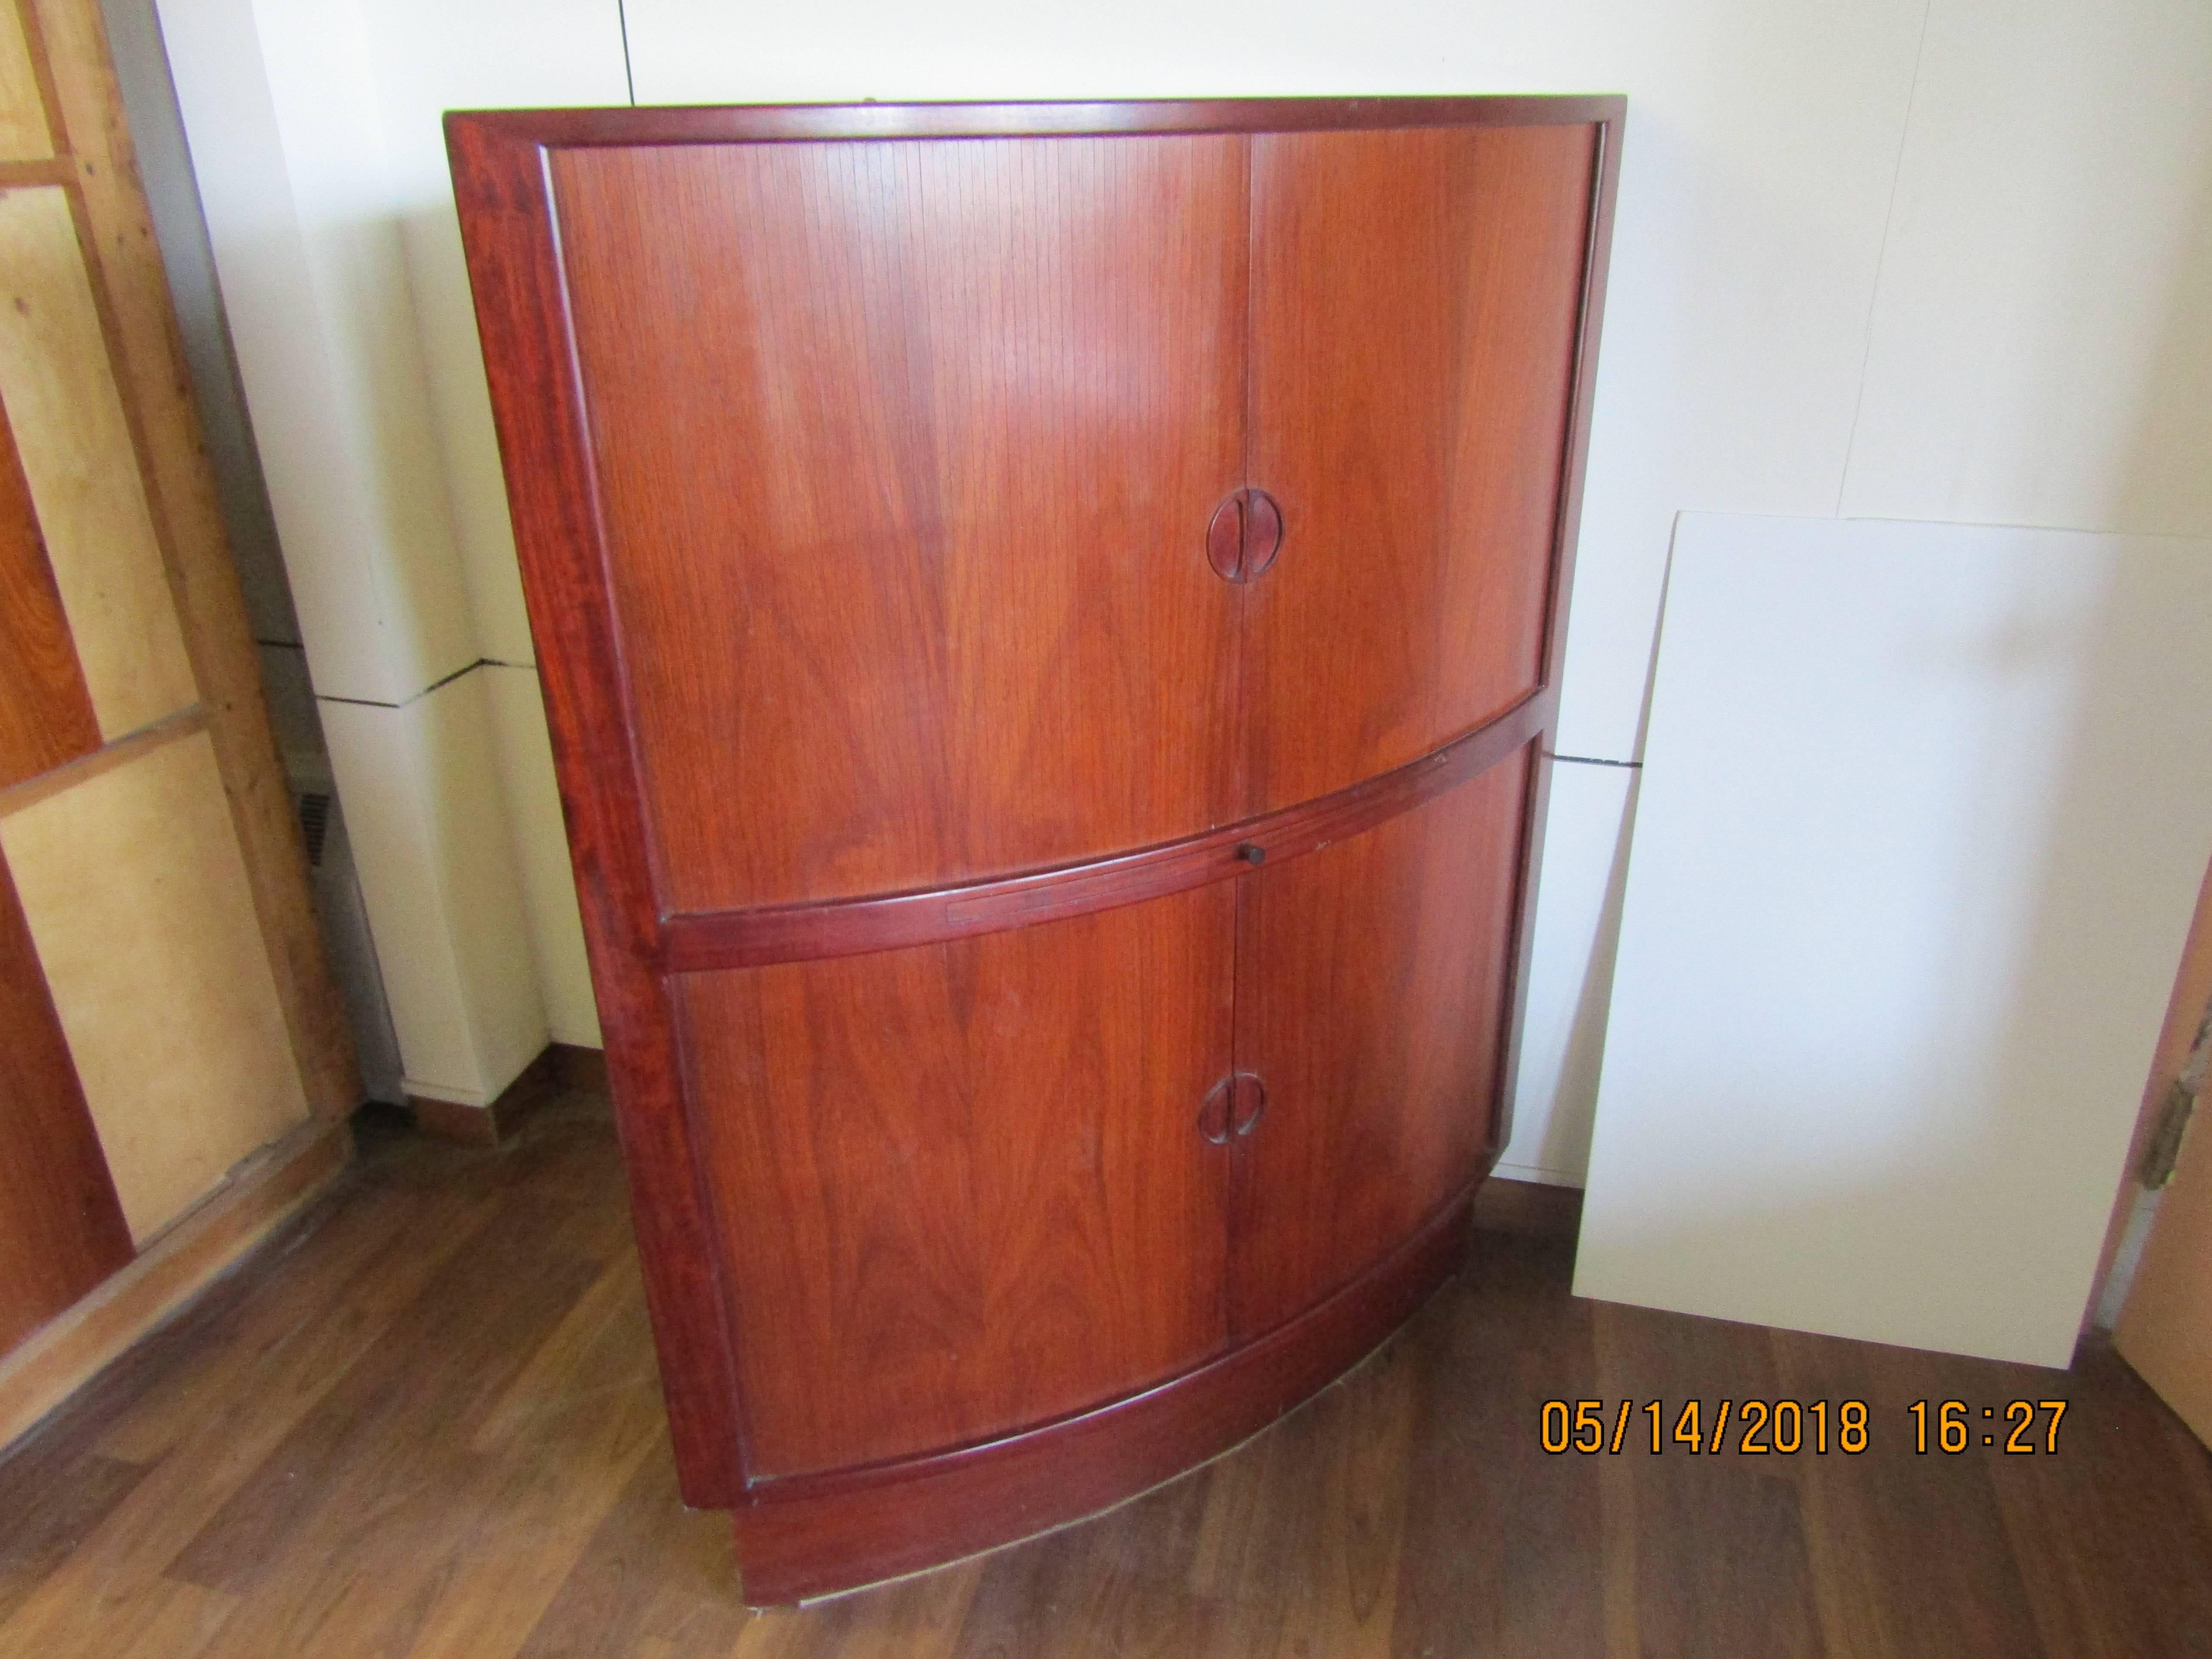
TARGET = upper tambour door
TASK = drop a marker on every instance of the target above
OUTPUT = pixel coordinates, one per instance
(1416, 303)
(905, 452)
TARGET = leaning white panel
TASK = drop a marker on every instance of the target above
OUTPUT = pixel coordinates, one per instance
(1923, 813)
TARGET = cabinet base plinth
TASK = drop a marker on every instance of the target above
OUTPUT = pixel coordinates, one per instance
(818, 1535)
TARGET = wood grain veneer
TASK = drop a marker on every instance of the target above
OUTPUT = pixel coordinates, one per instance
(1373, 990)
(734, 938)
(799, 1539)
(965, 1180)
(1416, 298)
(905, 451)
(522, 315)
(976, 760)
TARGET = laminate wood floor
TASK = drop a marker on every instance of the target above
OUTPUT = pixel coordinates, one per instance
(423, 1422)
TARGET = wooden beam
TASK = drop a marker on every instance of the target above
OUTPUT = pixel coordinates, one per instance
(70, 44)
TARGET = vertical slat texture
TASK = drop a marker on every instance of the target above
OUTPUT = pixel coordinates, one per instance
(909, 452)
(60, 391)
(1372, 979)
(46, 714)
(23, 133)
(965, 1181)
(148, 360)
(137, 895)
(61, 1229)
(1415, 301)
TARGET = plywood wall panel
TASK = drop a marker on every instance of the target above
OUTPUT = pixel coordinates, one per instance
(23, 133)
(46, 712)
(148, 356)
(59, 388)
(138, 902)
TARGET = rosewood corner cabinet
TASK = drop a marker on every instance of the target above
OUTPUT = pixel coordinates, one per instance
(1049, 615)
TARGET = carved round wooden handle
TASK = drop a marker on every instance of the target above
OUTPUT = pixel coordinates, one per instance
(1224, 539)
(1248, 1099)
(1232, 1107)
(1244, 535)
(1213, 1117)
(1263, 532)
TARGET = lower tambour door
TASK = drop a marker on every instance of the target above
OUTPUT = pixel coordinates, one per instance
(1373, 980)
(959, 1186)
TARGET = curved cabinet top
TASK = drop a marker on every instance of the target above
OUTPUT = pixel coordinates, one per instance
(890, 466)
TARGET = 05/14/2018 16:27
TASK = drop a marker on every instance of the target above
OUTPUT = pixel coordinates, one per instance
(1766, 1427)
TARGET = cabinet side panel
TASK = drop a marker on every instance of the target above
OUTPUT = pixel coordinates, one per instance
(1416, 299)
(961, 1186)
(908, 452)
(1374, 979)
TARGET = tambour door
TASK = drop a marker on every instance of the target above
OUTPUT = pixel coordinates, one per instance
(1416, 304)
(905, 453)
(1374, 980)
(959, 1188)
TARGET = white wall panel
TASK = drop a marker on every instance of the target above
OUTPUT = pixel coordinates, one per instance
(430, 57)
(286, 141)
(1922, 821)
(428, 817)
(1762, 141)
(557, 925)
(316, 139)
(1569, 972)
(2041, 351)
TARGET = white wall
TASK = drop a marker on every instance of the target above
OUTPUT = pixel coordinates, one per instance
(1935, 258)
(320, 167)
(1927, 813)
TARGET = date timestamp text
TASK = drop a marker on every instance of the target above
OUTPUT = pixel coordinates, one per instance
(1785, 1427)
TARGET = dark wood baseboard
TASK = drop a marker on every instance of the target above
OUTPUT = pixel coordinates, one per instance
(813, 1536)
(562, 1068)
(1534, 1208)
(172, 1267)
